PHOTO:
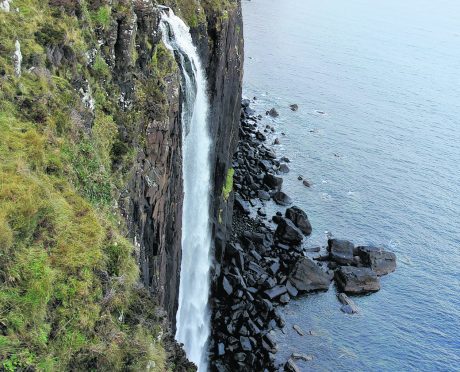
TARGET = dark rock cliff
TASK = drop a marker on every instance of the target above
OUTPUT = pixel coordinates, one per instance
(153, 199)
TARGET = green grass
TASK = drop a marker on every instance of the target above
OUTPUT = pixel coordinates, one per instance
(68, 277)
(228, 186)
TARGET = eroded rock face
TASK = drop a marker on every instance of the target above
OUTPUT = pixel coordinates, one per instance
(357, 280)
(154, 196)
(307, 276)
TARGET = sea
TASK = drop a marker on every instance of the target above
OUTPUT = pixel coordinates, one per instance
(377, 134)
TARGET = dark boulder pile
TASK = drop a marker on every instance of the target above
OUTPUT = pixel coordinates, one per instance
(265, 265)
(262, 267)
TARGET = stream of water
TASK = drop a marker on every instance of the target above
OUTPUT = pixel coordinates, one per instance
(192, 319)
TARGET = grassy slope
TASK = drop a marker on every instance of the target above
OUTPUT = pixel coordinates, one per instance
(68, 279)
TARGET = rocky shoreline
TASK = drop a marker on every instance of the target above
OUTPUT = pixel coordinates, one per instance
(265, 264)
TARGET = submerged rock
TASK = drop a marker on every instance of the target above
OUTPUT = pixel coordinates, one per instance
(304, 357)
(308, 277)
(298, 330)
(349, 307)
(294, 107)
(357, 280)
(290, 366)
(273, 113)
(380, 261)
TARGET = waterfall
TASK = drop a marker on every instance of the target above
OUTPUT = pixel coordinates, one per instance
(192, 320)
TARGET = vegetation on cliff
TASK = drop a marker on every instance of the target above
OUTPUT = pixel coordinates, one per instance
(69, 292)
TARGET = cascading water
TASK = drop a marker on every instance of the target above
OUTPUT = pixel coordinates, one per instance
(192, 320)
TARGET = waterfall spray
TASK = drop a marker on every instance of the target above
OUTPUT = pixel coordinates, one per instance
(192, 320)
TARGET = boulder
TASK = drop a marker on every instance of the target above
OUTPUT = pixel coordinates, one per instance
(380, 261)
(245, 343)
(242, 204)
(288, 232)
(263, 195)
(304, 357)
(298, 330)
(275, 292)
(294, 107)
(227, 286)
(357, 280)
(340, 251)
(307, 276)
(273, 113)
(245, 102)
(290, 366)
(284, 168)
(272, 181)
(300, 219)
(282, 199)
(349, 307)
(266, 165)
(220, 349)
(306, 183)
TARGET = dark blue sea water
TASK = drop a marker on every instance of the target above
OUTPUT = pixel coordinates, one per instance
(384, 161)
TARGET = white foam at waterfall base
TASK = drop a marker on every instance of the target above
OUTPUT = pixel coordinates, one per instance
(192, 320)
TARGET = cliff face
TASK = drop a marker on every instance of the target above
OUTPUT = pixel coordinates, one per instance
(156, 193)
(91, 175)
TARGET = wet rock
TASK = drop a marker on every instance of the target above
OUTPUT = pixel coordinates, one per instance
(261, 212)
(260, 136)
(245, 343)
(269, 344)
(276, 141)
(240, 357)
(306, 183)
(294, 107)
(263, 195)
(349, 307)
(284, 299)
(245, 103)
(290, 366)
(341, 251)
(285, 159)
(277, 219)
(273, 113)
(357, 280)
(227, 286)
(304, 357)
(282, 199)
(276, 291)
(293, 292)
(298, 330)
(266, 165)
(272, 181)
(284, 168)
(300, 219)
(307, 276)
(288, 232)
(380, 261)
(242, 204)
(313, 249)
(220, 349)
(274, 268)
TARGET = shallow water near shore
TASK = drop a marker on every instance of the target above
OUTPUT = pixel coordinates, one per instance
(377, 134)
